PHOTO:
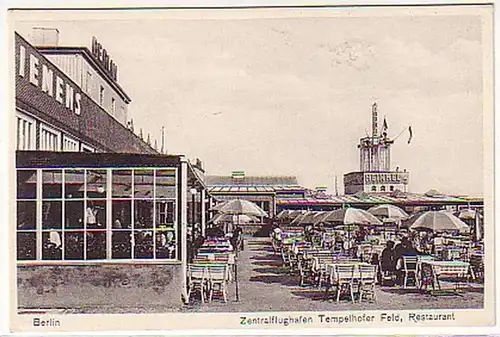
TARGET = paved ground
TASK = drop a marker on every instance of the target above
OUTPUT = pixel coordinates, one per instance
(264, 285)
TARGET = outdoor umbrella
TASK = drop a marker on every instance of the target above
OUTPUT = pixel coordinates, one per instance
(388, 211)
(437, 221)
(283, 215)
(466, 214)
(309, 218)
(240, 218)
(389, 214)
(240, 207)
(298, 219)
(218, 206)
(294, 214)
(351, 216)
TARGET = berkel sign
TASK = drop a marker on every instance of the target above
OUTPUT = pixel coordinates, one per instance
(376, 178)
(386, 178)
(104, 59)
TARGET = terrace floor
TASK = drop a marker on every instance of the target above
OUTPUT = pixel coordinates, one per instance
(265, 285)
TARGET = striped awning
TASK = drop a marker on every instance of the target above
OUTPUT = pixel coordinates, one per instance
(255, 189)
(377, 199)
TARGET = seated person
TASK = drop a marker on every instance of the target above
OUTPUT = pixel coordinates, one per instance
(388, 258)
(405, 248)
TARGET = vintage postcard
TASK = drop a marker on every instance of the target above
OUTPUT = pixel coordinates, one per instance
(251, 168)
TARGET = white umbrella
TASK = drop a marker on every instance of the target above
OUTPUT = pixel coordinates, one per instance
(438, 221)
(298, 219)
(219, 205)
(241, 206)
(351, 216)
(466, 214)
(388, 211)
(240, 218)
(310, 217)
(284, 214)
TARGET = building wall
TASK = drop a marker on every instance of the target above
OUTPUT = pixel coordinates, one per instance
(375, 182)
(84, 119)
(87, 286)
(90, 80)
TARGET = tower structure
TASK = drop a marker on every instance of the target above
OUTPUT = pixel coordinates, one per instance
(375, 174)
(375, 150)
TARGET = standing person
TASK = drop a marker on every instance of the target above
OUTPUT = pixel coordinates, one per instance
(237, 239)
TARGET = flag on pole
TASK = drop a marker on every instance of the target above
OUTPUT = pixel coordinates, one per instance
(411, 134)
(385, 126)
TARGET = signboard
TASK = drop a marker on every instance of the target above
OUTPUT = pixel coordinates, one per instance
(103, 58)
(41, 74)
(238, 174)
(386, 178)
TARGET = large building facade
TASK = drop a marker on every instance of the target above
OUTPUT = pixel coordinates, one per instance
(92, 69)
(101, 217)
(264, 191)
(54, 113)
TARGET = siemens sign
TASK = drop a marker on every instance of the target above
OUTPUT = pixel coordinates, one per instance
(39, 73)
(103, 58)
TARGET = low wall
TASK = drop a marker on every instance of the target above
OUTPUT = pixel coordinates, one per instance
(117, 285)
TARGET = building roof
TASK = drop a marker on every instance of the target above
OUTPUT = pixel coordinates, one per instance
(58, 50)
(213, 180)
(94, 126)
(256, 189)
(409, 198)
(53, 159)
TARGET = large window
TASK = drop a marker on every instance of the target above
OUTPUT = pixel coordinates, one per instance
(96, 214)
(113, 107)
(101, 95)
(26, 130)
(49, 139)
(69, 144)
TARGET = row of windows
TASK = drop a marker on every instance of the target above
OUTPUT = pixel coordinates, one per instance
(88, 214)
(92, 245)
(49, 139)
(382, 189)
(93, 183)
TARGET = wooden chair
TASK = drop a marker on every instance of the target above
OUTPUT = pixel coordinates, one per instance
(410, 270)
(197, 281)
(320, 266)
(285, 256)
(477, 265)
(367, 281)
(365, 253)
(342, 278)
(305, 270)
(217, 280)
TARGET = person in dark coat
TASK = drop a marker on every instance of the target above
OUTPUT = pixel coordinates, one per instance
(388, 258)
(237, 238)
(404, 248)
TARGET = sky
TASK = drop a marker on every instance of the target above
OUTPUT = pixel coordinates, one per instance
(292, 94)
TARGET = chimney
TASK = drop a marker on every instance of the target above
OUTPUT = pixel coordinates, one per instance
(46, 37)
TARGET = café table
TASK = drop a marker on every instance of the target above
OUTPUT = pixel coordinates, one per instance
(434, 271)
